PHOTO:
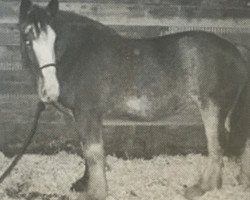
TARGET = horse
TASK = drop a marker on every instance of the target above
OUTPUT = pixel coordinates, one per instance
(93, 71)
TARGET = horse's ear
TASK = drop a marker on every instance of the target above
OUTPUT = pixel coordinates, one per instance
(53, 7)
(24, 8)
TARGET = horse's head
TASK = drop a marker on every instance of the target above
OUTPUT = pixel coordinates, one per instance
(38, 41)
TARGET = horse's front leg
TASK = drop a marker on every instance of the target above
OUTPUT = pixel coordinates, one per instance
(93, 185)
(213, 118)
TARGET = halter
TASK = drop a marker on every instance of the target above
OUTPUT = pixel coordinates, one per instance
(48, 65)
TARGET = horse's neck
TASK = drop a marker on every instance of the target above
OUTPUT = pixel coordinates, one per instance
(65, 40)
(68, 47)
(70, 27)
(71, 38)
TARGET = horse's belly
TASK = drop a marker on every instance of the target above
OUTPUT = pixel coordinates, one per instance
(145, 88)
(147, 107)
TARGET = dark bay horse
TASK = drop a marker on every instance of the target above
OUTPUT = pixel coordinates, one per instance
(93, 71)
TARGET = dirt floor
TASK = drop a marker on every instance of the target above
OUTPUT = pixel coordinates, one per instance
(162, 178)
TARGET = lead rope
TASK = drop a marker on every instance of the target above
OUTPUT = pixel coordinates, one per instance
(63, 110)
(39, 110)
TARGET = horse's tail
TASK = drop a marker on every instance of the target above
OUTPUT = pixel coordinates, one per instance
(240, 119)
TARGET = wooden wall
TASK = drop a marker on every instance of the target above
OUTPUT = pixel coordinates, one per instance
(135, 19)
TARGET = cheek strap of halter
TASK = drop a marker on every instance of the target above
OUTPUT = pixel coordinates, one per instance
(48, 65)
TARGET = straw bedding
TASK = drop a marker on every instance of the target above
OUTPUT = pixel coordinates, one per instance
(39, 177)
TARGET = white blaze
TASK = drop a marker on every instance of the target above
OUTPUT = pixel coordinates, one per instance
(43, 47)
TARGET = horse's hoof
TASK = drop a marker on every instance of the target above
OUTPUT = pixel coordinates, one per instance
(78, 186)
(244, 180)
(194, 191)
(83, 196)
(86, 196)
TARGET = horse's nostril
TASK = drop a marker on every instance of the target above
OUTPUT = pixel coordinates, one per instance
(44, 93)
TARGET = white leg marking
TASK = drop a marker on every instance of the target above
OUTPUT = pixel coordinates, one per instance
(212, 175)
(97, 186)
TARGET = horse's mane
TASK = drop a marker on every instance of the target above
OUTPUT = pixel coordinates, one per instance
(70, 29)
(66, 17)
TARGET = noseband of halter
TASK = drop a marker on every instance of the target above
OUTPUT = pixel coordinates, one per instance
(48, 65)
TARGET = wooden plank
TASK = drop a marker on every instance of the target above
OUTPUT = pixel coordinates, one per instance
(116, 1)
(20, 76)
(16, 88)
(12, 66)
(10, 53)
(8, 11)
(140, 14)
(9, 34)
(10, 58)
(194, 3)
(16, 82)
(21, 108)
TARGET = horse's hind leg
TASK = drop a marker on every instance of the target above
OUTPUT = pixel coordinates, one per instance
(213, 118)
(244, 177)
(93, 184)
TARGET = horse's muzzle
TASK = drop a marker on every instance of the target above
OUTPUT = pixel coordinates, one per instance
(48, 91)
(49, 97)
